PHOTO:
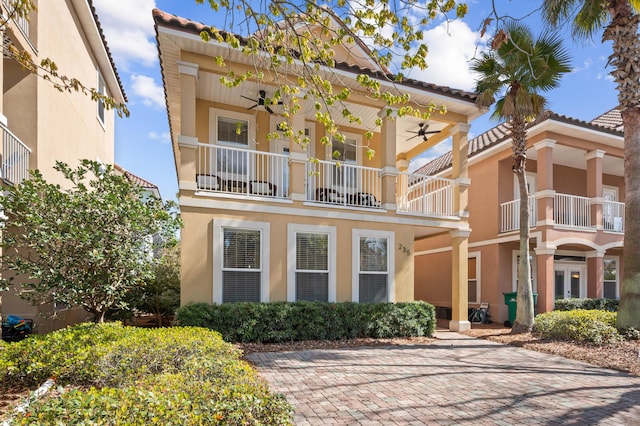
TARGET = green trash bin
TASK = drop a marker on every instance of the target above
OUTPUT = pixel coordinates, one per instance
(511, 300)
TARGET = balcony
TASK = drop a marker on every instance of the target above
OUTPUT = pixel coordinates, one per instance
(569, 212)
(15, 158)
(510, 214)
(21, 22)
(240, 171)
(424, 195)
(344, 184)
(232, 172)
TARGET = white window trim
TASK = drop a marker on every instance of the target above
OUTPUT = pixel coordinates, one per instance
(102, 120)
(218, 253)
(277, 143)
(292, 230)
(214, 113)
(514, 271)
(617, 260)
(478, 256)
(613, 189)
(348, 135)
(532, 180)
(355, 261)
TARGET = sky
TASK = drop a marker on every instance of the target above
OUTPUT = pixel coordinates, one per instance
(143, 146)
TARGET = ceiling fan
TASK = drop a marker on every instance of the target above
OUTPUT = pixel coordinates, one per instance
(423, 131)
(261, 101)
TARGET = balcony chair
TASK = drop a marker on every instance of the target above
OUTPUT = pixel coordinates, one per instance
(260, 187)
(209, 182)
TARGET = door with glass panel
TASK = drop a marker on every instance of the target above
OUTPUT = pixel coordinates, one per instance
(569, 280)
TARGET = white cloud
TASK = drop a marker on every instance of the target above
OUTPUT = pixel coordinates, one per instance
(145, 87)
(586, 64)
(451, 47)
(163, 137)
(128, 28)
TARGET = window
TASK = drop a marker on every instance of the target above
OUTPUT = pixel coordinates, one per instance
(373, 266)
(610, 277)
(241, 261)
(311, 272)
(102, 90)
(346, 153)
(234, 136)
(473, 277)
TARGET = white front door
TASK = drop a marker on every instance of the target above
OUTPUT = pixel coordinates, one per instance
(281, 146)
(569, 280)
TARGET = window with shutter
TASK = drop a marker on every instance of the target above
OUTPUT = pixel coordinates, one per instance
(241, 265)
(312, 266)
(374, 270)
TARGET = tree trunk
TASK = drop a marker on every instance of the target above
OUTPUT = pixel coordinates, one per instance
(629, 310)
(524, 310)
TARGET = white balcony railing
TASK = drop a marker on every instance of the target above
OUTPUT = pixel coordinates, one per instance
(241, 171)
(613, 216)
(344, 184)
(426, 195)
(15, 158)
(510, 214)
(21, 22)
(572, 211)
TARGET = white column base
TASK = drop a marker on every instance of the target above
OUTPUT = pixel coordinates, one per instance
(459, 325)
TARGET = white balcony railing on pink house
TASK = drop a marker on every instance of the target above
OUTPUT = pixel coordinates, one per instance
(613, 216)
(345, 184)
(572, 211)
(424, 195)
(510, 214)
(241, 171)
(15, 158)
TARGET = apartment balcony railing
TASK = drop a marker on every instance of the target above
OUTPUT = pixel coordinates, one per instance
(345, 184)
(425, 195)
(15, 158)
(241, 171)
(572, 211)
(21, 22)
(510, 214)
(613, 216)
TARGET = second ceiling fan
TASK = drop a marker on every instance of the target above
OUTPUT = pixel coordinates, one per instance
(423, 131)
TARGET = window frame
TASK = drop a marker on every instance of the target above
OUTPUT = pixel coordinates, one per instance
(356, 234)
(617, 281)
(219, 225)
(214, 113)
(292, 230)
(478, 279)
(101, 88)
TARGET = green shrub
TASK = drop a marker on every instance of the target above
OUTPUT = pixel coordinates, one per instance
(597, 327)
(179, 375)
(285, 321)
(571, 304)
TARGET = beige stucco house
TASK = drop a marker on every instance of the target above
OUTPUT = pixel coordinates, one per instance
(40, 124)
(264, 223)
(576, 181)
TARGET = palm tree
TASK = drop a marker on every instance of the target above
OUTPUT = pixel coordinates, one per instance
(618, 19)
(516, 71)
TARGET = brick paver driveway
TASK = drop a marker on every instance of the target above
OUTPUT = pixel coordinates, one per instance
(456, 380)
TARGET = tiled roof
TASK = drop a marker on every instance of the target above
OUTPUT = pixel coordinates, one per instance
(135, 179)
(106, 47)
(605, 123)
(177, 22)
(611, 119)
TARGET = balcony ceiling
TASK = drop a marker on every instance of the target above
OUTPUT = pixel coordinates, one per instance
(209, 88)
(574, 157)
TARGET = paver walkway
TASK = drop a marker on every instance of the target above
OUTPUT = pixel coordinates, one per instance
(457, 380)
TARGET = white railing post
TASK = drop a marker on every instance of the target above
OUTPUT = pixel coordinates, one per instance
(572, 211)
(426, 195)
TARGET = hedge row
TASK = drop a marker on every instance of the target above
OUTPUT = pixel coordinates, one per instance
(610, 305)
(134, 376)
(593, 326)
(285, 321)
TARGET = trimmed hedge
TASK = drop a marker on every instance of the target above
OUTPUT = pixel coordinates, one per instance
(610, 305)
(593, 326)
(285, 321)
(180, 375)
